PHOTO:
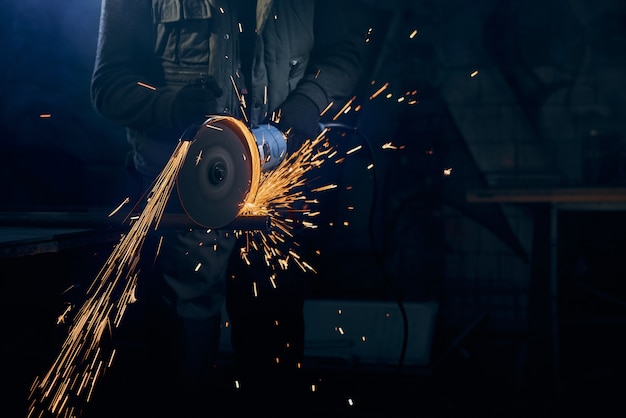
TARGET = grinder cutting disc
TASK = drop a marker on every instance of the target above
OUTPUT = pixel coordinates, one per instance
(221, 172)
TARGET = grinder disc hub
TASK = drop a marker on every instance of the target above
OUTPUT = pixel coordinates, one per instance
(217, 172)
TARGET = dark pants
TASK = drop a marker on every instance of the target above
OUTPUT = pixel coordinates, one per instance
(184, 295)
(267, 333)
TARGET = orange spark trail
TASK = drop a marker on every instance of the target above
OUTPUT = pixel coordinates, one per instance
(71, 379)
(379, 91)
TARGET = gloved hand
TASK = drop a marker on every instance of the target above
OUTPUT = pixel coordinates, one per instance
(299, 120)
(194, 102)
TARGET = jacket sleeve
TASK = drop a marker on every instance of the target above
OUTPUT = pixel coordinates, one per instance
(339, 51)
(121, 88)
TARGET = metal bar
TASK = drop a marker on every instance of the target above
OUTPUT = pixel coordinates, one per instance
(101, 220)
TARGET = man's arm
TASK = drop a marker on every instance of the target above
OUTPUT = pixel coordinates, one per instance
(334, 70)
(121, 88)
(337, 59)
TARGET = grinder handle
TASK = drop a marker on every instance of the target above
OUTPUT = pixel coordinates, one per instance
(272, 145)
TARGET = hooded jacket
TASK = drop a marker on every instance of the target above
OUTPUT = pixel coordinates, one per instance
(149, 49)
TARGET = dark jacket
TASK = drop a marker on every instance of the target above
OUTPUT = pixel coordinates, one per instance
(148, 49)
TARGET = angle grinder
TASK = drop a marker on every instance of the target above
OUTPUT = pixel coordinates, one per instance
(223, 166)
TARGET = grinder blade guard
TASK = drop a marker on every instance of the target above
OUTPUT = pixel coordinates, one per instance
(222, 170)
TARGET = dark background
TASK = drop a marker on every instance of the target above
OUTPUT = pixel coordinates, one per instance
(531, 295)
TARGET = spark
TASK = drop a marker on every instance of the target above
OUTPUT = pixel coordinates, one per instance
(345, 108)
(474, 73)
(242, 108)
(447, 172)
(119, 207)
(61, 317)
(309, 267)
(240, 97)
(379, 91)
(277, 115)
(81, 362)
(273, 280)
(309, 225)
(413, 34)
(148, 86)
(45, 116)
(67, 290)
(326, 109)
(327, 187)
(389, 145)
(355, 149)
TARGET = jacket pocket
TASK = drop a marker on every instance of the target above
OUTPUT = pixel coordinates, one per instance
(182, 30)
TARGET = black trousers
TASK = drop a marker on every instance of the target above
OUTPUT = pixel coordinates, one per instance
(267, 333)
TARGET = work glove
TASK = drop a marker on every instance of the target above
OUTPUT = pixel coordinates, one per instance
(194, 102)
(299, 120)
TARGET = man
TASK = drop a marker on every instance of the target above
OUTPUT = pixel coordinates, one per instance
(162, 65)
